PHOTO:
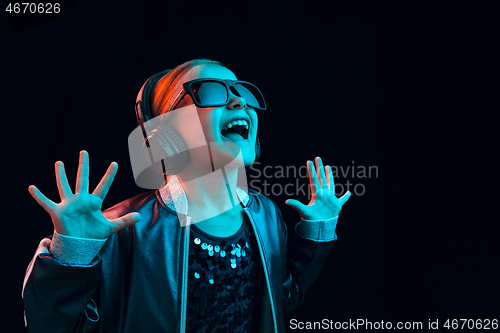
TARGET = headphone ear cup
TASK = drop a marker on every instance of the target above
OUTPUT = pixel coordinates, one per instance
(168, 148)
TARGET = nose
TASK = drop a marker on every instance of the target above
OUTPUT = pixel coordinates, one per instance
(235, 102)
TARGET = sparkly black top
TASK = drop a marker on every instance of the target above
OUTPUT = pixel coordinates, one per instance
(225, 282)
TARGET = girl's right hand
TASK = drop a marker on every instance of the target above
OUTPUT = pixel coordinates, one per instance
(79, 214)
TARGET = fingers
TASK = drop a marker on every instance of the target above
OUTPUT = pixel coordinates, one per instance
(321, 172)
(329, 178)
(42, 200)
(82, 177)
(343, 199)
(102, 189)
(313, 178)
(62, 181)
(125, 221)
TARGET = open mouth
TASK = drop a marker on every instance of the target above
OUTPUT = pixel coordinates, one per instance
(236, 130)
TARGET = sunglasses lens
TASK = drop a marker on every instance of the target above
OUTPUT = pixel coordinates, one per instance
(251, 94)
(213, 93)
(209, 93)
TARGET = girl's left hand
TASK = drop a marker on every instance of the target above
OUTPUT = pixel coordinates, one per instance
(324, 204)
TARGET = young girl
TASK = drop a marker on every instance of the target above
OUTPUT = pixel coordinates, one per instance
(197, 255)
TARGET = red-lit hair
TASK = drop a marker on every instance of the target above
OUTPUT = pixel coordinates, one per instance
(163, 94)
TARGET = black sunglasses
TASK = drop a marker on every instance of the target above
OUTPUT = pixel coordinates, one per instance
(215, 92)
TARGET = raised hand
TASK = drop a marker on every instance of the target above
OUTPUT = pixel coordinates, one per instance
(79, 214)
(324, 204)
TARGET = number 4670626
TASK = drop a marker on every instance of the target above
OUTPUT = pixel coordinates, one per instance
(471, 324)
(33, 8)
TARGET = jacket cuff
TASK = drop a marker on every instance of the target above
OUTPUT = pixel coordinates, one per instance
(73, 250)
(318, 231)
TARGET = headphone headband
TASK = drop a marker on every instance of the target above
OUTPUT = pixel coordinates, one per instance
(142, 107)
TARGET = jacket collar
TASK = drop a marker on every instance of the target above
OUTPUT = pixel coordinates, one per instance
(174, 196)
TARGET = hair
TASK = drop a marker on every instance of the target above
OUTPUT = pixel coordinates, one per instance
(164, 91)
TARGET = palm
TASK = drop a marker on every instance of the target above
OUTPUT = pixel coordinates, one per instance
(324, 203)
(79, 214)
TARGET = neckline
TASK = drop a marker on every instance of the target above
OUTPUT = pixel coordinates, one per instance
(174, 197)
(213, 237)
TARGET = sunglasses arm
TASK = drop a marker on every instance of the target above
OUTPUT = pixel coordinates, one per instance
(174, 104)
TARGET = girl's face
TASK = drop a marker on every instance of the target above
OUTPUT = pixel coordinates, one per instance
(224, 146)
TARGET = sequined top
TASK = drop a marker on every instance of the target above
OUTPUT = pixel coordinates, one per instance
(225, 282)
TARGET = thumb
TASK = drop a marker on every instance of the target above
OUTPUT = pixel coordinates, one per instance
(295, 204)
(343, 199)
(125, 221)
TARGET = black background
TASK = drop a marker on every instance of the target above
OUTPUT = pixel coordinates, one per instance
(361, 84)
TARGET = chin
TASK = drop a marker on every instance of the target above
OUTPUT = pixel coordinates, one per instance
(234, 161)
(227, 152)
(249, 158)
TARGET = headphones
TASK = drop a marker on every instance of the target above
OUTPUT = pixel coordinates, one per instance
(165, 140)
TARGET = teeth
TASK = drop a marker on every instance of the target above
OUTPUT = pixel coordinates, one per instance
(240, 122)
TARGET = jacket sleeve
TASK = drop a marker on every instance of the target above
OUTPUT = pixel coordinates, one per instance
(58, 295)
(308, 248)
